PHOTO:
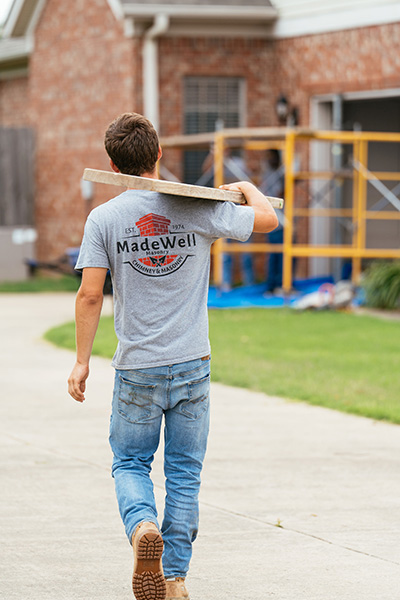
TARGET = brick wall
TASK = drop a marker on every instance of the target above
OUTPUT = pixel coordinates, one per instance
(338, 62)
(80, 79)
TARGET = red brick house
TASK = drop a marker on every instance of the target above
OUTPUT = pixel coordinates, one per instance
(68, 68)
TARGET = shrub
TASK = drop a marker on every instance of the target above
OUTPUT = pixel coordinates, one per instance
(381, 284)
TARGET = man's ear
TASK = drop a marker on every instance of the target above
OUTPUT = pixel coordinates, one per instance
(159, 153)
(114, 166)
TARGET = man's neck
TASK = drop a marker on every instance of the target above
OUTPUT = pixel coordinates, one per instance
(152, 175)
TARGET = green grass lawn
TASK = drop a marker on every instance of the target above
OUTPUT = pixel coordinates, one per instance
(64, 283)
(338, 360)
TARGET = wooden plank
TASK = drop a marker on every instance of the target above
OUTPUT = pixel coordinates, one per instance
(169, 187)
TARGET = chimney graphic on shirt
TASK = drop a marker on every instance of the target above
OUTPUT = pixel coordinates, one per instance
(151, 225)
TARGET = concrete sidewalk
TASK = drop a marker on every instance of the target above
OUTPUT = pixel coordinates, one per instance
(297, 503)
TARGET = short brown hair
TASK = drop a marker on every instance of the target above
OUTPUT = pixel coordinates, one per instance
(132, 144)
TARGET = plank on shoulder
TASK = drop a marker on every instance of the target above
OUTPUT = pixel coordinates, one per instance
(169, 187)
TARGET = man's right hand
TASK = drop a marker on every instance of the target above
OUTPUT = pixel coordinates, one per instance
(77, 381)
(265, 218)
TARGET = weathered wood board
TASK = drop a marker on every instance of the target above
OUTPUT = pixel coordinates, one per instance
(169, 187)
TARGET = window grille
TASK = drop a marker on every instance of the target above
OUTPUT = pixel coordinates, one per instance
(210, 103)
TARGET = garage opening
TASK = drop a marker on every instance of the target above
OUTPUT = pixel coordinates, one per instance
(355, 112)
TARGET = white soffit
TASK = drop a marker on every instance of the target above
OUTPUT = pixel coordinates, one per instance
(16, 48)
(12, 17)
(201, 11)
(116, 8)
(297, 17)
(234, 28)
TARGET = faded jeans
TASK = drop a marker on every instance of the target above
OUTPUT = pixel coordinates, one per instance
(180, 393)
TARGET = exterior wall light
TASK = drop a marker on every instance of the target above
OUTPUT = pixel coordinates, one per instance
(287, 115)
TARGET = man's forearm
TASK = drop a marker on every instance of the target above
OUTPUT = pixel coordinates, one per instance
(265, 218)
(89, 301)
(87, 315)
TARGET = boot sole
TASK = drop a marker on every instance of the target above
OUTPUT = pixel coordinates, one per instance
(148, 581)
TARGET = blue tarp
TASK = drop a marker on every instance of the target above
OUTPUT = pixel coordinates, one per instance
(254, 296)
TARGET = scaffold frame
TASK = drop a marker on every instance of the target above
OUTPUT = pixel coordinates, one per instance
(286, 140)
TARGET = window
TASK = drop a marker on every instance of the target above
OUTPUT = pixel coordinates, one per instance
(210, 103)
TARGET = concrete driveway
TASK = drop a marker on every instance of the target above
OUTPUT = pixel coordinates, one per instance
(298, 502)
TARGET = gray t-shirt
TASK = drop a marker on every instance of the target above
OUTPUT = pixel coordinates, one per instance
(157, 248)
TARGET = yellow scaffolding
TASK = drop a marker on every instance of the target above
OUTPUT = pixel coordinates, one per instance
(286, 139)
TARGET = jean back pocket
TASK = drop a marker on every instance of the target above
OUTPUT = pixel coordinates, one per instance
(135, 400)
(198, 393)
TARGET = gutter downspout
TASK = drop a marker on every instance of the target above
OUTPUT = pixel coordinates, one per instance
(151, 91)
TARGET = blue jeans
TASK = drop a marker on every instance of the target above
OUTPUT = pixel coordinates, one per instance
(180, 393)
(275, 261)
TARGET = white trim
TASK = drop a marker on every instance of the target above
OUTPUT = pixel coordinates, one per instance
(196, 28)
(359, 95)
(12, 17)
(15, 48)
(299, 8)
(129, 28)
(117, 9)
(151, 86)
(35, 17)
(201, 11)
(336, 21)
(319, 227)
(248, 29)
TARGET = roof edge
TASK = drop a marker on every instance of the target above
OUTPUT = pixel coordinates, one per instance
(117, 9)
(341, 19)
(12, 18)
(35, 8)
(16, 48)
(267, 13)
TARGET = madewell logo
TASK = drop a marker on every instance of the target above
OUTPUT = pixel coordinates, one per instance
(155, 251)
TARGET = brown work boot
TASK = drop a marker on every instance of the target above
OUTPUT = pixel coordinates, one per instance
(148, 581)
(176, 589)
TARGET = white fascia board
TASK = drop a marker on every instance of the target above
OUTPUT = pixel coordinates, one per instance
(200, 11)
(35, 17)
(292, 9)
(15, 48)
(117, 9)
(336, 21)
(255, 29)
(359, 95)
(12, 17)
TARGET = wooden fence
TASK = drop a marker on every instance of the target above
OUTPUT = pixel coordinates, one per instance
(17, 147)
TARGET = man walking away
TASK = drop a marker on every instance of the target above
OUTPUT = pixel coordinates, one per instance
(157, 248)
